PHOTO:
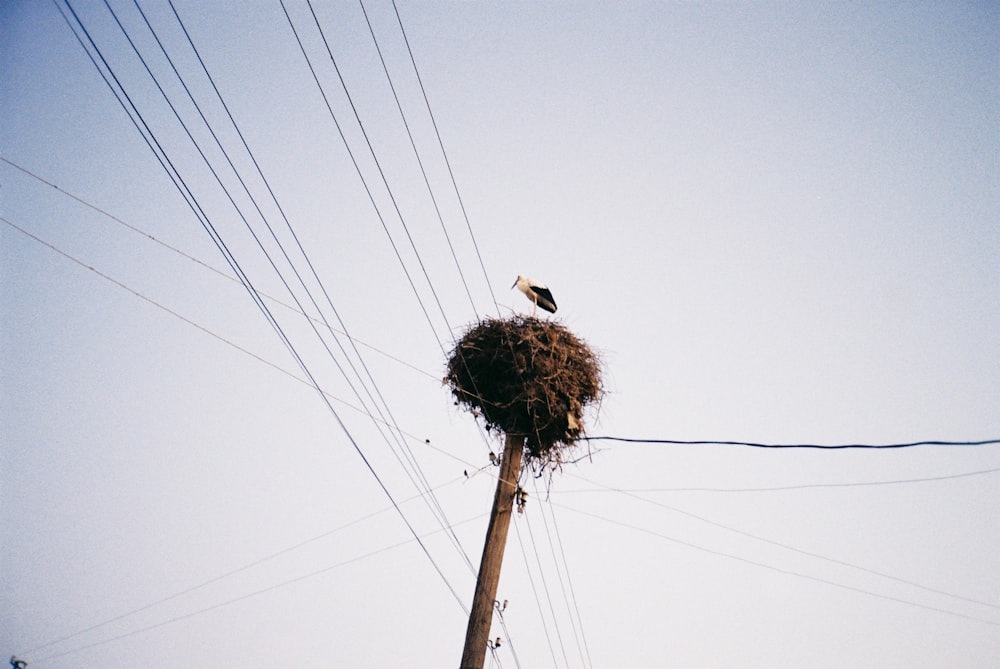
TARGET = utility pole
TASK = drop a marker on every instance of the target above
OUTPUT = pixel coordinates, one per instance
(478, 632)
(530, 380)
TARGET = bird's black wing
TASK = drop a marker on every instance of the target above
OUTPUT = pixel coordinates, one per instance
(545, 299)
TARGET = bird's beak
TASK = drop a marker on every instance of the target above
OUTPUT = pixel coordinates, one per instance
(513, 284)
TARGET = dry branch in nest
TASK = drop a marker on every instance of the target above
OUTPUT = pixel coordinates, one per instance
(526, 376)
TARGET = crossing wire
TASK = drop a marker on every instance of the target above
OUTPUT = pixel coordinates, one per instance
(537, 598)
(143, 297)
(364, 182)
(434, 506)
(146, 298)
(243, 597)
(559, 576)
(385, 181)
(412, 463)
(708, 442)
(545, 588)
(570, 598)
(804, 486)
(232, 572)
(416, 154)
(192, 202)
(793, 549)
(136, 229)
(475, 245)
(444, 154)
(357, 167)
(498, 612)
(780, 570)
(378, 164)
(241, 349)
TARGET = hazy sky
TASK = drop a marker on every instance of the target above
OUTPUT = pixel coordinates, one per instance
(776, 222)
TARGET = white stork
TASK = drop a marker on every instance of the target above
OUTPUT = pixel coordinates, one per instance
(537, 292)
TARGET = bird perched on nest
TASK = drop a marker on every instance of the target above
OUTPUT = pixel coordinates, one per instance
(537, 292)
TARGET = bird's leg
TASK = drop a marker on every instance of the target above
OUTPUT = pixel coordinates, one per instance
(534, 310)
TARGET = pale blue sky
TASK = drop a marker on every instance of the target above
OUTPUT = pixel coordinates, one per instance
(777, 222)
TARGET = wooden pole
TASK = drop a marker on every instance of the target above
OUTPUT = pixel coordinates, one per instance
(478, 632)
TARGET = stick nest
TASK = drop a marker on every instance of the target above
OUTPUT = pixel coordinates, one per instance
(526, 376)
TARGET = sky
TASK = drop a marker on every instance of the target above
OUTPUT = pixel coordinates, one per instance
(775, 222)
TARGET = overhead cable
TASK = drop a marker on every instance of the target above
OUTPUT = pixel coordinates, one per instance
(709, 442)
(153, 238)
(780, 570)
(585, 650)
(411, 466)
(803, 486)
(249, 595)
(420, 162)
(204, 220)
(444, 154)
(793, 549)
(535, 595)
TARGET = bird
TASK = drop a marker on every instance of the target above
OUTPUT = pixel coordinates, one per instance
(537, 292)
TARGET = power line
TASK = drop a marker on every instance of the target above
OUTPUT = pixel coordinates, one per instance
(219, 337)
(206, 223)
(378, 164)
(559, 577)
(417, 476)
(385, 182)
(572, 592)
(222, 339)
(420, 163)
(431, 501)
(364, 182)
(545, 589)
(241, 349)
(248, 595)
(444, 154)
(788, 547)
(779, 570)
(81, 263)
(534, 592)
(381, 172)
(158, 152)
(357, 168)
(209, 267)
(498, 612)
(804, 486)
(707, 442)
(232, 572)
